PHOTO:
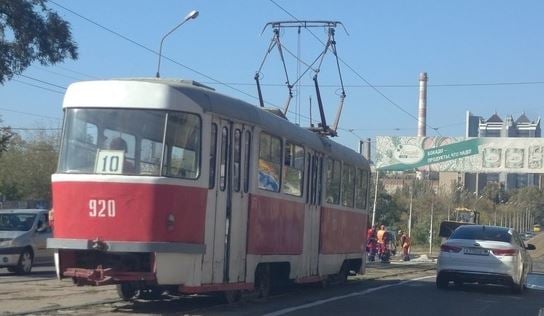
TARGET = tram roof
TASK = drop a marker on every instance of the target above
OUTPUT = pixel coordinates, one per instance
(209, 101)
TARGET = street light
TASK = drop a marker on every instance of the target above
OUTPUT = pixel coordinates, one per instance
(192, 15)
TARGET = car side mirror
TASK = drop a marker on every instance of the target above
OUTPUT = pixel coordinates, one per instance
(530, 247)
(42, 227)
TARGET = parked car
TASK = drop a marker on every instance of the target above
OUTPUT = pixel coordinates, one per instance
(484, 254)
(23, 238)
(528, 235)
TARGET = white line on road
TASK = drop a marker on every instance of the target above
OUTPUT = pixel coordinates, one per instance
(335, 298)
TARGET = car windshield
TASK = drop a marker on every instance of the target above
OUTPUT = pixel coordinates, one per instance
(16, 222)
(482, 233)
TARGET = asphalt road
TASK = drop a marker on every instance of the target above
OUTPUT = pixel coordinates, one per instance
(386, 289)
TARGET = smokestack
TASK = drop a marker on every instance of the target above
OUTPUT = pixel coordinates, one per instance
(364, 148)
(422, 109)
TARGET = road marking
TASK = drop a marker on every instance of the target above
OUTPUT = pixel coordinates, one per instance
(336, 298)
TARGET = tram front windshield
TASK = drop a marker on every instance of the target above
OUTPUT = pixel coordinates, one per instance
(131, 142)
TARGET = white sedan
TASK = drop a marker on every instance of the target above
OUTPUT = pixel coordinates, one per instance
(484, 254)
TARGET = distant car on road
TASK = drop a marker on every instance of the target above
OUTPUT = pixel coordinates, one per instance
(484, 254)
(23, 238)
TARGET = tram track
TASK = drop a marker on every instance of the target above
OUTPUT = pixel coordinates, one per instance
(12, 281)
(191, 305)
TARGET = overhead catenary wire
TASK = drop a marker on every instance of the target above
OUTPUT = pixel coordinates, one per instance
(358, 74)
(232, 85)
(31, 114)
(216, 81)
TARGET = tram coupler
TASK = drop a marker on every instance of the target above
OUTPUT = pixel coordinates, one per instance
(107, 276)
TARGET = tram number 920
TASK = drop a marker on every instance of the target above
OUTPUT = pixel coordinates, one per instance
(101, 208)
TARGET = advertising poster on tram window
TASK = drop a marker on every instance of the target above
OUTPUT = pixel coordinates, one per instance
(484, 154)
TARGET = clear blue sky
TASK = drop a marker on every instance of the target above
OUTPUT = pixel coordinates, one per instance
(469, 49)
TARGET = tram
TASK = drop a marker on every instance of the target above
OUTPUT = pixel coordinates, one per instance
(168, 185)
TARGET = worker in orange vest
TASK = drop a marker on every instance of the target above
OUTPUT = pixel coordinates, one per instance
(405, 244)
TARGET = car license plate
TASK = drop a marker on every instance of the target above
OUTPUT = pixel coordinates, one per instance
(476, 251)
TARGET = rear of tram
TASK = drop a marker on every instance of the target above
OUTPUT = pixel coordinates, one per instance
(128, 197)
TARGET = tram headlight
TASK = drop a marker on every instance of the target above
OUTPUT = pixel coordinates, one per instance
(170, 222)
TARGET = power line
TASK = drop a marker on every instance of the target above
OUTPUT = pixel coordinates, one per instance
(36, 86)
(34, 129)
(31, 114)
(44, 82)
(155, 52)
(438, 85)
(77, 72)
(58, 73)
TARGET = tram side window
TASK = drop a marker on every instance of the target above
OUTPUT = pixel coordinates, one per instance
(236, 172)
(247, 150)
(269, 162)
(183, 142)
(309, 189)
(293, 171)
(365, 185)
(224, 159)
(319, 183)
(213, 156)
(333, 181)
(348, 185)
(359, 189)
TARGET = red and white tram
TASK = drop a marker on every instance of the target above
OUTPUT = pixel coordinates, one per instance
(165, 184)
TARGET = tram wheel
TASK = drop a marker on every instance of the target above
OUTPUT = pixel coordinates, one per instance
(232, 296)
(344, 273)
(263, 281)
(126, 291)
(152, 293)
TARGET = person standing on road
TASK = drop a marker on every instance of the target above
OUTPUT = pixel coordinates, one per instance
(371, 243)
(380, 236)
(405, 244)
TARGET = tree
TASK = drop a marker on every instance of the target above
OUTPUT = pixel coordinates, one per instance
(5, 135)
(26, 167)
(29, 31)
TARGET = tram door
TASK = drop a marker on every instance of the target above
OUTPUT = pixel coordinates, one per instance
(313, 199)
(231, 202)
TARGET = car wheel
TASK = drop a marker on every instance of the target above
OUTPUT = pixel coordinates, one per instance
(24, 266)
(518, 288)
(441, 282)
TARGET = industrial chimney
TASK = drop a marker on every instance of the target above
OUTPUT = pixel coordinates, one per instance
(422, 109)
(364, 148)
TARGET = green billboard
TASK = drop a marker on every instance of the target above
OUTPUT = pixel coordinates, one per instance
(489, 154)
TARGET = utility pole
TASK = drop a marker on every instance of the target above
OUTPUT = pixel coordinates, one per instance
(431, 227)
(375, 197)
(410, 214)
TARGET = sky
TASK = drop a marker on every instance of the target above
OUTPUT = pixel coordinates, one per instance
(480, 56)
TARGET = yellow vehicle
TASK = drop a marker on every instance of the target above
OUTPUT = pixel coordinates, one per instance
(461, 216)
(536, 228)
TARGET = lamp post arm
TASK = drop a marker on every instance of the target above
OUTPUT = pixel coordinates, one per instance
(192, 15)
(162, 41)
